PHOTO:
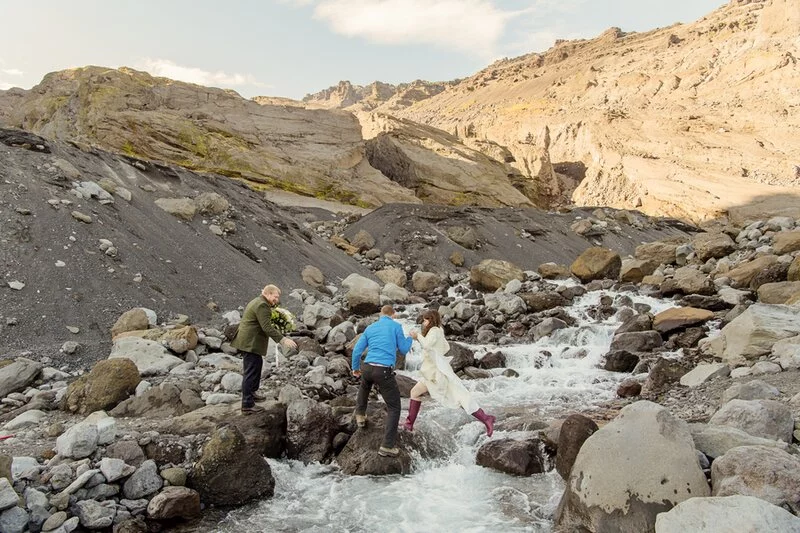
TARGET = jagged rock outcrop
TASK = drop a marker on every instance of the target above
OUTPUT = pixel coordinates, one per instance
(436, 166)
(315, 152)
(695, 121)
(345, 95)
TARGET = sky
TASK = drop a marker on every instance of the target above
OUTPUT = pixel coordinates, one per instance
(291, 48)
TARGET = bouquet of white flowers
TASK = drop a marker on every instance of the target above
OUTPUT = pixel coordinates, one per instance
(283, 320)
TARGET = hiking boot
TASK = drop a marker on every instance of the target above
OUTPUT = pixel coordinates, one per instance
(388, 452)
(361, 421)
(251, 410)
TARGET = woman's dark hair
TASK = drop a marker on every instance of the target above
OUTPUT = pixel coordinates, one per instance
(434, 320)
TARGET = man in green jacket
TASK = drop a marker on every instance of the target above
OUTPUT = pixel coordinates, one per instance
(255, 330)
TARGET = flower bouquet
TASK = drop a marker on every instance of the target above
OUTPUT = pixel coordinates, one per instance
(283, 320)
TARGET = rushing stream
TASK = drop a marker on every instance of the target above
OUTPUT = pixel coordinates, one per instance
(453, 494)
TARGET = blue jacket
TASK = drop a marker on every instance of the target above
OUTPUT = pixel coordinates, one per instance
(383, 338)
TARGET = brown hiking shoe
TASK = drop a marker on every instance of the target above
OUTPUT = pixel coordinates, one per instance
(388, 452)
(361, 421)
(251, 410)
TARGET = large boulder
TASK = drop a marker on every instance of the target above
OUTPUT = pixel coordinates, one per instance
(516, 457)
(132, 320)
(741, 275)
(492, 274)
(786, 242)
(182, 208)
(462, 357)
(174, 502)
(712, 245)
(150, 357)
(679, 318)
(657, 252)
(230, 472)
(793, 274)
(596, 263)
(760, 418)
(310, 428)
(726, 514)
(211, 203)
(264, 431)
(687, 280)
(165, 401)
(637, 341)
(715, 441)
(762, 471)
(542, 300)
(639, 465)
(363, 294)
(425, 281)
(574, 432)
(754, 332)
(359, 457)
(778, 293)
(18, 375)
(108, 383)
(634, 270)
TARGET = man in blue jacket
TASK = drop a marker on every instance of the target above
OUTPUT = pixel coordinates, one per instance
(383, 339)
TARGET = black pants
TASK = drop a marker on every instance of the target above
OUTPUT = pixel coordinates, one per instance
(251, 379)
(383, 377)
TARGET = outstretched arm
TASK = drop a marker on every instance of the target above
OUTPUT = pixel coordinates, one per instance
(358, 350)
(403, 342)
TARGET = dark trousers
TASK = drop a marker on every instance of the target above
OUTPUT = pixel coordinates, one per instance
(251, 378)
(383, 378)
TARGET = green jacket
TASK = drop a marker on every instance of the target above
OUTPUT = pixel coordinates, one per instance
(255, 327)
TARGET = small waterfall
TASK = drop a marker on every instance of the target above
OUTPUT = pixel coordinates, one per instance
(557, 375)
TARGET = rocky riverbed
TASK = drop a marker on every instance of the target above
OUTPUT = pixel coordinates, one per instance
(151, 435)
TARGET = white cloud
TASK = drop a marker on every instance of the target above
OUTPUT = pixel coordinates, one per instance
(472, 26)
(5, 74)
(169, 69)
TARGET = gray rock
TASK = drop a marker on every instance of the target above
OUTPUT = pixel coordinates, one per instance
(232, 382)
(18, 375)
(114, 469)
(55, 521)
(14, 520)
(60, 477)
(150, 357)
(174, 502)
(715, 441)
(310, 427)
(729, 513)
(761, 471)
(760, 418)
(78, 441)
(95, 515)
(143, 482)
(653, 467)
(752, 390)
(8, 497)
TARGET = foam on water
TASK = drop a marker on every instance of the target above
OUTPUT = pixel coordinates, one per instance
(557, 374)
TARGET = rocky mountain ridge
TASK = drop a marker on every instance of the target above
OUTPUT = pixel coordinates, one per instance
(268, 143)
(694, 121)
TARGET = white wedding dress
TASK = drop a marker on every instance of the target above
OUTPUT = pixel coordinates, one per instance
(437, 374)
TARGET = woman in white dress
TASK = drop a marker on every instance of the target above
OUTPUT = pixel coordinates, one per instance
(438, 378)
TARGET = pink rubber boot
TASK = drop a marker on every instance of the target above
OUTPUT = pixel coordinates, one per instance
(488, 421)
(413, 411)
